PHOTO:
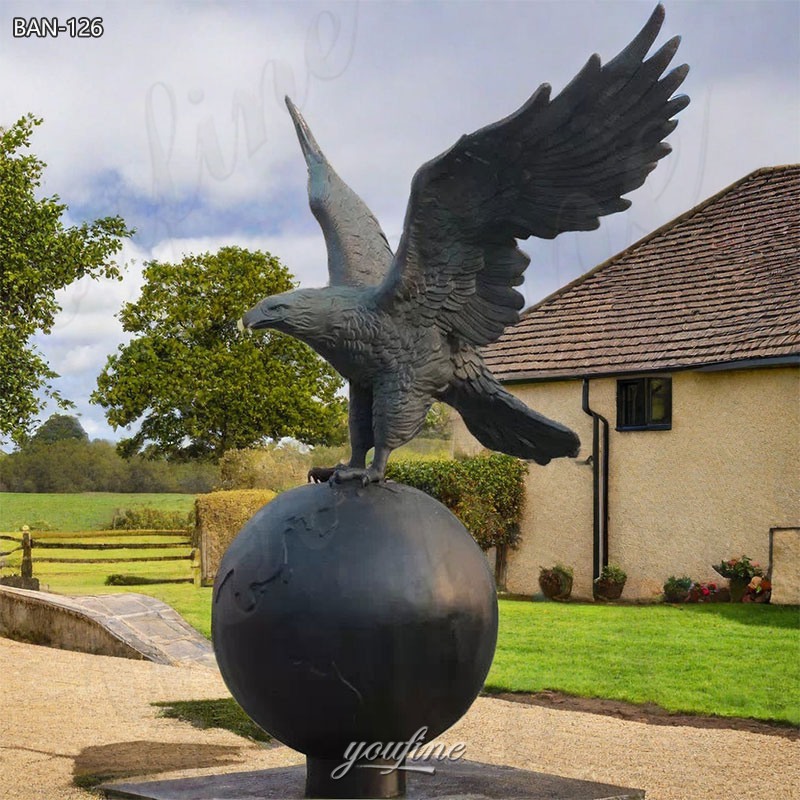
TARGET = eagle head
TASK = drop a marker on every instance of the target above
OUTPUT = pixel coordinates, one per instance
(296, 312)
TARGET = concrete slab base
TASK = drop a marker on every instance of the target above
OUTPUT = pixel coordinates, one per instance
(461, 780)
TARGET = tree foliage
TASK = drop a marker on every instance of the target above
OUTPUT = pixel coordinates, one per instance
(438, 422)
(58, 428)
(198, 385)
(77, 465)
(38, 256)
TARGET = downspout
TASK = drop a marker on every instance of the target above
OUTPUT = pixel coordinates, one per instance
(599, 485)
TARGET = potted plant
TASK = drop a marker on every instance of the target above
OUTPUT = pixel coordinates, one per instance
(676, 590)
(739, 572)
(611, 582)
(758, 590)
(556, 582)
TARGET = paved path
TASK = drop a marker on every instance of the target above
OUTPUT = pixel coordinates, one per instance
(150, 626)
(69, 713)
(147, 625)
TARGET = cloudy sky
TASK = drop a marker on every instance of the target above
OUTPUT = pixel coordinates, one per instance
(174, 118)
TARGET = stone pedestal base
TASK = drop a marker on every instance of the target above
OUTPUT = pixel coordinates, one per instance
(463, 779)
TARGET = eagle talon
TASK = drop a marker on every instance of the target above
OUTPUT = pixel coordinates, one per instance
(366, 476)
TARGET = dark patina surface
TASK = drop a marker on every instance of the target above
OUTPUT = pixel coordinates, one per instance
(406, 328)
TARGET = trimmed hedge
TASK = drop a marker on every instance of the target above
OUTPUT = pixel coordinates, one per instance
(218, 518)
(485, 492)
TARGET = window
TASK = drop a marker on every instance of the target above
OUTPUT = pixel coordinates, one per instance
(644, 404)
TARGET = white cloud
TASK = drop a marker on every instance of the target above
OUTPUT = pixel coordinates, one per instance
(175, 97)
(175, 119)
(82, 358)
(303, 254)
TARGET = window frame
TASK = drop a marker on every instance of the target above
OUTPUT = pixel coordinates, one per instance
(644, 382)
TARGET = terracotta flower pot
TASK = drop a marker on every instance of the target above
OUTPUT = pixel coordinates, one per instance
(555, 585)
(608, 590)
(737, 587)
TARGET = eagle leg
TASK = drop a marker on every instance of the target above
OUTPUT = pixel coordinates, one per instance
(360, 423)
(397, 415)
(361, 441)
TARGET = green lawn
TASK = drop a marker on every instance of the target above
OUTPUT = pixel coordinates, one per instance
(728, 659)
(740, 660)
(78, 512)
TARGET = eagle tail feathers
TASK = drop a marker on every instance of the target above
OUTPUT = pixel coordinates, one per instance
(499, 421)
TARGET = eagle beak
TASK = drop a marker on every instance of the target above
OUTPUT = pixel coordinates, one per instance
(241, 327)
(261, 316)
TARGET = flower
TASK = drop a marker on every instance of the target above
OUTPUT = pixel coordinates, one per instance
(702, 593)
(741, 567)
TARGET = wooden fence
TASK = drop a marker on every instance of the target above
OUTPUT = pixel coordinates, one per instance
(50, 542)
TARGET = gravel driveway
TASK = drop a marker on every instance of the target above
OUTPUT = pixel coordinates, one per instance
(62, 708)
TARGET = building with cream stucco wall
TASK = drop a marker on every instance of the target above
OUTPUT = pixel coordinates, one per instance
(678, 364)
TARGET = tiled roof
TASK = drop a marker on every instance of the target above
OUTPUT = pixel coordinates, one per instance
(720, 283)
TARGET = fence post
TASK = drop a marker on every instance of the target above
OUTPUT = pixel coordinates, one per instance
(197, 575)
(26, 568)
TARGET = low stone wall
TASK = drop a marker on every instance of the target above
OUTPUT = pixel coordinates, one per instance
(784, 549)
(219, 516)
(42, 618)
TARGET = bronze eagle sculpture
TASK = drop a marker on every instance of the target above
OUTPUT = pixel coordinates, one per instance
(406, 328)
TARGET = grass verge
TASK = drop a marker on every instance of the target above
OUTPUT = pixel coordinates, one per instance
(734, 660)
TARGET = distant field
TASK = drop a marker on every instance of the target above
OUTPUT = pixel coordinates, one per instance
(79, 512)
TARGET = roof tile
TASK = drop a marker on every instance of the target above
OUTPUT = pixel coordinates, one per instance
(719, 283)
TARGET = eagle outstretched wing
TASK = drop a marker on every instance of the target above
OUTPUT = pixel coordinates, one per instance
(552, 166)
(358, 252)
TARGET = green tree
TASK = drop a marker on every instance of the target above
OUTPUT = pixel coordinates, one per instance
(438, 422)
(77, 465)
(198, 385)
(58, 428)
(38, 256)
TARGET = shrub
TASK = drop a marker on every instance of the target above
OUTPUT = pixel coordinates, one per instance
(485, 492)
(610, 584)
(556, 582)
(328, 455)
(281, 467)
(676, 590)
(273, 467)
(613, 573)
(219, 516)
(75, 465)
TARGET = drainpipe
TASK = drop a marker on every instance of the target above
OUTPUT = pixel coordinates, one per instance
(599, 485)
